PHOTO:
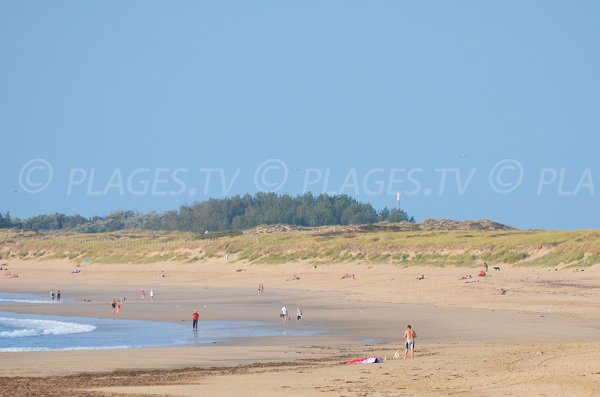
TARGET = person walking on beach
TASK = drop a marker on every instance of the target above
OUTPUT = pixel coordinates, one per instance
(409, 336)
(151, 294)
(142, 295)
(52, 294)
(119, 306)
(283, 314)
(58, 296)
(195, 320)
(113, 304)
(298, 313)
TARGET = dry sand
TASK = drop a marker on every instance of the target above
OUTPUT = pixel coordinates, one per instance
(540, 339)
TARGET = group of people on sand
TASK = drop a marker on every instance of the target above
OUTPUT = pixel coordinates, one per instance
(116, 305)
(143, 294)
(285, 316)
(55, 295)
(7, 272)
(195, 316)
(484, 273)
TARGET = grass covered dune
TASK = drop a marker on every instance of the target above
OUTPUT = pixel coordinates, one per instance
(428, 243)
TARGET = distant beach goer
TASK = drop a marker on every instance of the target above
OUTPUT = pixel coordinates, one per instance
(486, 266)
(283, 314)
(52, 294)
(421, 277)
(142, 295)
(119, 306)
(113, 304)
(409, 336)
(261, 288)
(298, 313)
(151, 294)
(58, 296)
(195, 320)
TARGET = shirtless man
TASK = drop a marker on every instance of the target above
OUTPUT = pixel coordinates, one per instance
(409, 336)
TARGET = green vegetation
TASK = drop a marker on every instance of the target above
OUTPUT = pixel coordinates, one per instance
(385, 244)
(231, 214)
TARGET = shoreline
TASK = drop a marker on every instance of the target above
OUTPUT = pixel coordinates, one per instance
(34, 332)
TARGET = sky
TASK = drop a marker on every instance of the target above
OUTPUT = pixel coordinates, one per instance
(465, 109)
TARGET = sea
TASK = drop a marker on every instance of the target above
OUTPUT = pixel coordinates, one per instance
(35, 332)
(9, 297)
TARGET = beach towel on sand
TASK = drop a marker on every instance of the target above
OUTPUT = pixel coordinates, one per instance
(366, 360)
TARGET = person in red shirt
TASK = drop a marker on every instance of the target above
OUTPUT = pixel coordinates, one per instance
(195, 320)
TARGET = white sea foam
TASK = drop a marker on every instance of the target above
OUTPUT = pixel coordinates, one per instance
(48, 349)
(17, 300)
(22, 327)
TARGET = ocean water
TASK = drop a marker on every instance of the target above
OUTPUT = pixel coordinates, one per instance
(27, 332)
(18, 297)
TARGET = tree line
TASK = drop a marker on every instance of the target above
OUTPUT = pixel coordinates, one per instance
(217, 215)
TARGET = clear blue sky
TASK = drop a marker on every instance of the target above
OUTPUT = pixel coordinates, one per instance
(148, 105)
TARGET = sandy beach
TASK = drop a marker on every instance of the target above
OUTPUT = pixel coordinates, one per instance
(540, 338)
